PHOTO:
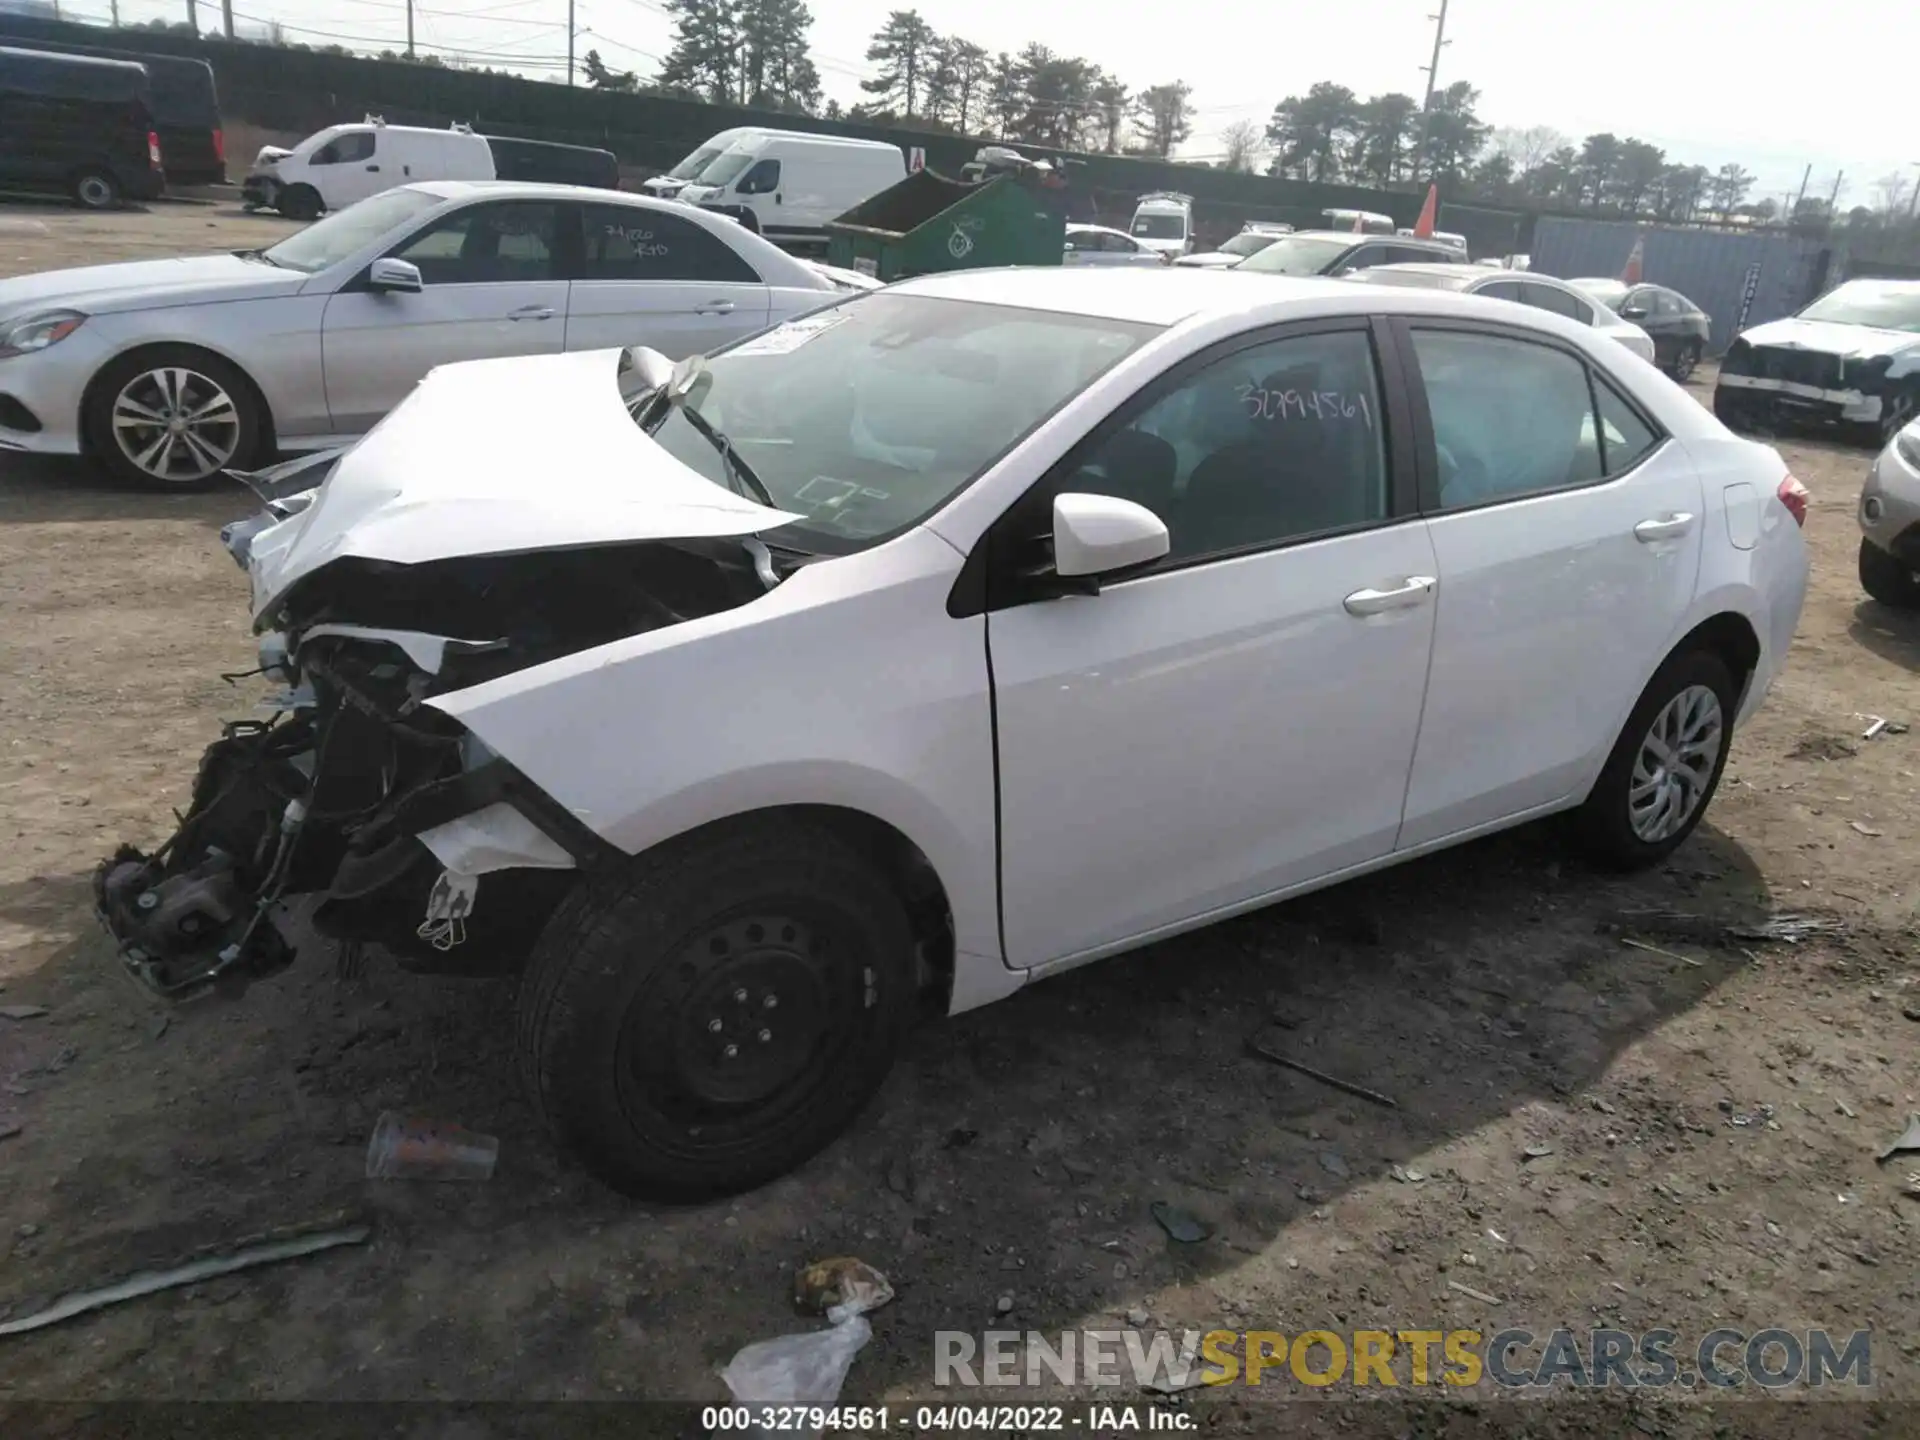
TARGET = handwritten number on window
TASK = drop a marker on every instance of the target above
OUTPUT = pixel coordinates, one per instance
(1324, 405)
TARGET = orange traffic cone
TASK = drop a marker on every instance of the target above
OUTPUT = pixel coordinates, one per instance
(1429, 213)
(1635, 261)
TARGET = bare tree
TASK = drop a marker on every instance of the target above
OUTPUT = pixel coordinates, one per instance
(1528, 148)
(1245, 143)
(1892, 190)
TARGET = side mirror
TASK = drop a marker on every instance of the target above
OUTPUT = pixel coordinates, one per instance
(395, 276)
(1096, 535)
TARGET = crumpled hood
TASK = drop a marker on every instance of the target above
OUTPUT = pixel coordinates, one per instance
(146, 285)
(495, 457)
(1855, 342)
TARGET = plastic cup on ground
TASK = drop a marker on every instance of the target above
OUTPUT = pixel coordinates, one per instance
(406, 1148)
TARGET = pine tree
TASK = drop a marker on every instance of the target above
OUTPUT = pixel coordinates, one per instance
(903, 48)
(706, 45)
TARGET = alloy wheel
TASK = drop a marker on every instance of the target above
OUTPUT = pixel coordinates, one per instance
(1675, 764)
(176, 424)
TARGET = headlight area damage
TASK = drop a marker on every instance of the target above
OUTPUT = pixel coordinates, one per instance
(356, 790)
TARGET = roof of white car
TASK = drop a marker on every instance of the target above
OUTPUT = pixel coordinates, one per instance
(1168, 295)
(461, 189)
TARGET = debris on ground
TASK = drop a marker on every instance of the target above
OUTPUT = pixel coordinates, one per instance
(1331, 1162)
(959, 1138)
(1634, 944)
(22, 1012)
(1734, 1117)
(1255, 1048)
(1536, 1152)
(1865, 829)
(1480, 1295)
(1182, 1226)
(1407, 1176)
(1907, 1144)
(149, 1282)
(405, 1148)
(1879, 724)
(823, 1286)
(9, 1129)
(1786, 925)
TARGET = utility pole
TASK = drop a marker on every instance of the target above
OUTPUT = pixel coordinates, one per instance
(570, 41)
(409, 29)
(226, 17)
(1833, 201)
(1433, 70)
(1804, 181)
(193, 19)
(1913, 209)
(116, 14)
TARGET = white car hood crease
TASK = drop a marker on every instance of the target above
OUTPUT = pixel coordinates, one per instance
(498, 457)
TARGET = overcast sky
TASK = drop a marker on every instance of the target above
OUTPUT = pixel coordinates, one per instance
(1771, 85)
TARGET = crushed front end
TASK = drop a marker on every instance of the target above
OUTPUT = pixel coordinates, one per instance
(350, 787)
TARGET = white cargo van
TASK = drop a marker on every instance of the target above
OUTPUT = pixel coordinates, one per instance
(332, 168)
(787, 186)
(684, 174)
(1163, 222)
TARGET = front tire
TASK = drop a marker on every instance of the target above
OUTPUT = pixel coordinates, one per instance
(1665, 766)
(171, 417)
(1685, 359)
(1887, 580)
(300, 202)
(718, 1011)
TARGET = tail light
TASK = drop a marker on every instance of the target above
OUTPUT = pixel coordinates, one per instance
(1794, 496)
(220, 146)
(153, 148)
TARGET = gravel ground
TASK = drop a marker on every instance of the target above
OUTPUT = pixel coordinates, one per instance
(1588, 1132)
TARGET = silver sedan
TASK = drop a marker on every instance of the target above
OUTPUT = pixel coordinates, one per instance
(170, 371)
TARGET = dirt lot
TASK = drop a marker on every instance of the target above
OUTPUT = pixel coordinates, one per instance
(1016, 1153)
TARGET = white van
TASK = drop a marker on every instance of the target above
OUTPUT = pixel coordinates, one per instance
(332, 168)
(1163, 222)
(787, 186)
(687, 171)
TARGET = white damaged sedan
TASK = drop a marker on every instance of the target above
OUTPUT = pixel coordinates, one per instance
(971, 630)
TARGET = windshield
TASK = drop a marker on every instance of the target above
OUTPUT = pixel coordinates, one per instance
(1248, 243)
(346, 232)
(726, 168)
(1296, 255)
(1160, 227)
(868, 417)
(694, 163)
(1869, 302)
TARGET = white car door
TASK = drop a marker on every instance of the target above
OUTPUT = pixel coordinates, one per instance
(652, 278)
(492, 286)
(348, 168)
(1240, 718)
(1568, 552)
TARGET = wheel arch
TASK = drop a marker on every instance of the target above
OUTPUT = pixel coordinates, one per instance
(270, 430)
(1729, 635)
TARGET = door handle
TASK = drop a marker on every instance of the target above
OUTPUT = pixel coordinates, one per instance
(714, 307)
(373, 167)
(1668, 527)
(532, 312)
(1413, 591)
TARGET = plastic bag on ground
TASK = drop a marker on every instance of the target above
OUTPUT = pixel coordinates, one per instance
(804, 1369)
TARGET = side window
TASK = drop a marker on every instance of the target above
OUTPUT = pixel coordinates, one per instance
(1082, 240)
(1510, 417)
(1265, 445)
(1364, 258)
(1502, 290)
(1413, 255)
(488, 245)
(626, 242)
(343, 149)
(1545, 297)
(1625, 439)
(762, 179)
(1121, 243)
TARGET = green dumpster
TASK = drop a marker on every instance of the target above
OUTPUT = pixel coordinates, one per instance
(928, 223)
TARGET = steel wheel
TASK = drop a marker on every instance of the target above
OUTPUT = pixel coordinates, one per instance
(95, 191)
(1675, 764)
(176, 425)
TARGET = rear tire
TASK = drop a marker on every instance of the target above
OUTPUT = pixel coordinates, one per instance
(1665, 766)
(1685, 359)
(719, 1010)
(95, 190)
(300, 202)
(1886, 579)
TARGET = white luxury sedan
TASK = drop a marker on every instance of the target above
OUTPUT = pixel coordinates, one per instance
(170, 371)
(1543, 292)
(967, 631)
(1103, 245)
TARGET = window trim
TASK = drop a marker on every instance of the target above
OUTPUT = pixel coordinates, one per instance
(992, 566)
(1426, 457)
